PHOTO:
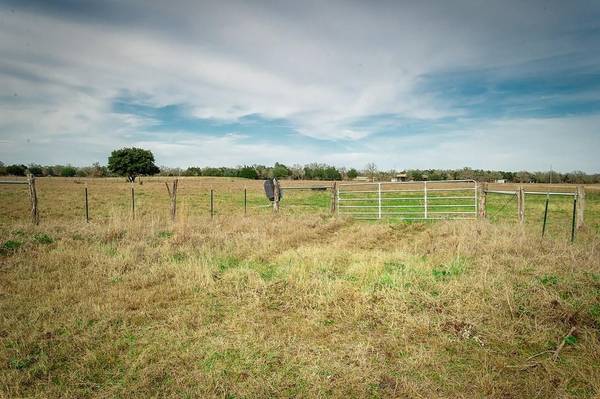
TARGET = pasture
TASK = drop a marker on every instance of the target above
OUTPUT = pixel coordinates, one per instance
(295, 304)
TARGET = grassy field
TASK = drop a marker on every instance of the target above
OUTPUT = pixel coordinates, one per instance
(299, 304)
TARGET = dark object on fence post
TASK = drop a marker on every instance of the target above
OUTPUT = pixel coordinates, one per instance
(545, 216)
(245, 202)
(521, 204)
(132, 202)
(35, 218)
(276, 195)
(212, 203)
(481, 192)
(87, 210)
(333, 197)
(173, 196)
(580, 206)
(574, 217)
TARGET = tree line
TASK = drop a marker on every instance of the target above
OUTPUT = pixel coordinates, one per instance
(313, 171)
(132, 162)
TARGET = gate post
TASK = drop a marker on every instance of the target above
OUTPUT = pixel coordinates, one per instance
(481, 192)
(378, 200)
(333, 197)
(425, 197)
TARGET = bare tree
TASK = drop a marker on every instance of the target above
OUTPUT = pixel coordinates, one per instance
(297, 172)
(371, 171)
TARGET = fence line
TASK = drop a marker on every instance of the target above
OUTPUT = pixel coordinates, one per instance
(353, 200)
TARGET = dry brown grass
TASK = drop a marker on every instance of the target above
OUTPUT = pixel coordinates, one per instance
(294, 306)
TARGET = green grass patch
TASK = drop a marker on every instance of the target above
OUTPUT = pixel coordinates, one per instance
(227, 263)
(179, 257)
(43, 238)
(548, 280)
(454, 268)
(10, 246)
(595, 313)
(165, 234)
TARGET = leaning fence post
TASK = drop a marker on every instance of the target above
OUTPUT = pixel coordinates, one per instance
(481, 192)
(521, 204)
(580, 206)
(33, 196)
(545, 215)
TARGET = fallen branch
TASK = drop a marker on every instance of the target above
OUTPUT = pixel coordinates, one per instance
(562, 344)
(555, 354)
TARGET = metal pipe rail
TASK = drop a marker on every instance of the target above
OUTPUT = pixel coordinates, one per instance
(410, 182)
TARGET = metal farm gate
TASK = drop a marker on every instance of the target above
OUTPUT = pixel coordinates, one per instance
(426, 200)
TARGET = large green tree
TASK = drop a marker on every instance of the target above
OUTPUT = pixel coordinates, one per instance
(132, 162)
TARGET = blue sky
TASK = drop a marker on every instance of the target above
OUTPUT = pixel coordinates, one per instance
(404, 84)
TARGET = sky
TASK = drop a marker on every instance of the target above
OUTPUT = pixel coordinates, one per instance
(506, 85)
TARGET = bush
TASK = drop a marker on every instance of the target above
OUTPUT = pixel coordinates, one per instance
(352, 174)
(68, 171)
(248, 172)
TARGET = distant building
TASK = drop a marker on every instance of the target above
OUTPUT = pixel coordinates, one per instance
(501, 181)
(361, 178)
(399, 177)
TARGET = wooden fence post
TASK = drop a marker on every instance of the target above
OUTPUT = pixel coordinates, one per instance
(481, 192)
(173, 197)
(33, 196)
(521, 204)
(333, 197)
(132, 202)
(212, 203)
(276, 189)
(245, 201)
(87, 210)
(580, 206)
